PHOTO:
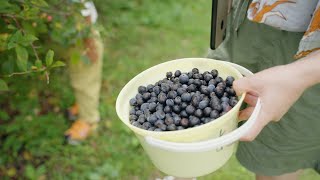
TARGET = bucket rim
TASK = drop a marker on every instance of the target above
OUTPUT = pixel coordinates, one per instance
(142, 132)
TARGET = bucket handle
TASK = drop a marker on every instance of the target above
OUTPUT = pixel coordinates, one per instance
(209, 144)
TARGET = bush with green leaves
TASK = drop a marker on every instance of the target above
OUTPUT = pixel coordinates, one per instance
(32, 30)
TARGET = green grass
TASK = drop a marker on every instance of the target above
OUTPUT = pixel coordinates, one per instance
(139, 34)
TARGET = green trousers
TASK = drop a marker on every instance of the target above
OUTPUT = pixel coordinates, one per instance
(86, 81)
(294, 142)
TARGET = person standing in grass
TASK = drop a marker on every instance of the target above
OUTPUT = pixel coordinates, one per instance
(86, 81)
(279, 39)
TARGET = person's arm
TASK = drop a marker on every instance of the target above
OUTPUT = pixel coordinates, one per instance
(279, 88)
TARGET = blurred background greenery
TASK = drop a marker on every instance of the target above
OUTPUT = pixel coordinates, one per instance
(137, 35)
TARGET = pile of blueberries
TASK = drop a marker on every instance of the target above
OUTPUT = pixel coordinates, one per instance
(182, 100)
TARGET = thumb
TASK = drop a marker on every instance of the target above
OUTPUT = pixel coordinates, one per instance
(244, 84)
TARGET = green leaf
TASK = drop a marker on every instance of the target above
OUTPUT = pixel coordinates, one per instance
(27, 39)
(49, 58)
(38, 63)
(3, 85)
(40, 3)
(58, 64)
(22, 58)
(6, 7)
(10, 26)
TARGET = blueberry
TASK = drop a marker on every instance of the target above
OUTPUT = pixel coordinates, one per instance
(170, 102)
(147, 114)
(146, 96)
(184, 86)
(177, 100)
(196, 76)
(191, 81)
(225, 99)
(180, 128)
(208, 77)
(142, 89)
(176, 119)
(213, 94)
(158, 123)
(207, 120)
(230, 91)
(222, 84)
(162, 97)
(212, 82)
(177, 73)
(165, 87)
(190, 74)
(133, 117)
(176, 109)
(233, 102)
(136, 123)
(186, 97)
(194, 121)
(198, 113)
(156, 89)
(226, 107)
(140, 101)
(214, 73)
(214, 114)
(132, 111)
(150, 88)
(203, 104)
(197, 82)
(159, 107)
(153, 94)
(160, 114)
(204, 90)
(195, 70)
(169, 75)
(171, 127)
(219, 91)
(174, 87)
(172, 94)
(163, 127)
(180, 91)
(183, 78)
(207, 111)
(225, 94)
(217, 107)
(133, 102)
(158, 129)
(169, 120)
(152, 119)
(144, 106)
(192, 88)
(151, 128)
(152, 106)
(184, 114)
(211, 88)
(141, 119)
(167, 109)
(229, 80)
(190, 109)
(138, 113)
(184, 105)
(200, 76)
(218, 79)
(184, 122)
(196, 100)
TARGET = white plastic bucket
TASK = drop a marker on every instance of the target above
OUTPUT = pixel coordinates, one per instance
(196, 151)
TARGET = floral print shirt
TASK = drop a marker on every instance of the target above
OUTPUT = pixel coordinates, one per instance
(291, 15)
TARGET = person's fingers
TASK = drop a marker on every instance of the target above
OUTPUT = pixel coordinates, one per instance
(262, 121)
(244, 85)
(246, 113)
(251, 99)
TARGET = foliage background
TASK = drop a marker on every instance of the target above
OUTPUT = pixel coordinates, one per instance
(137, 34)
